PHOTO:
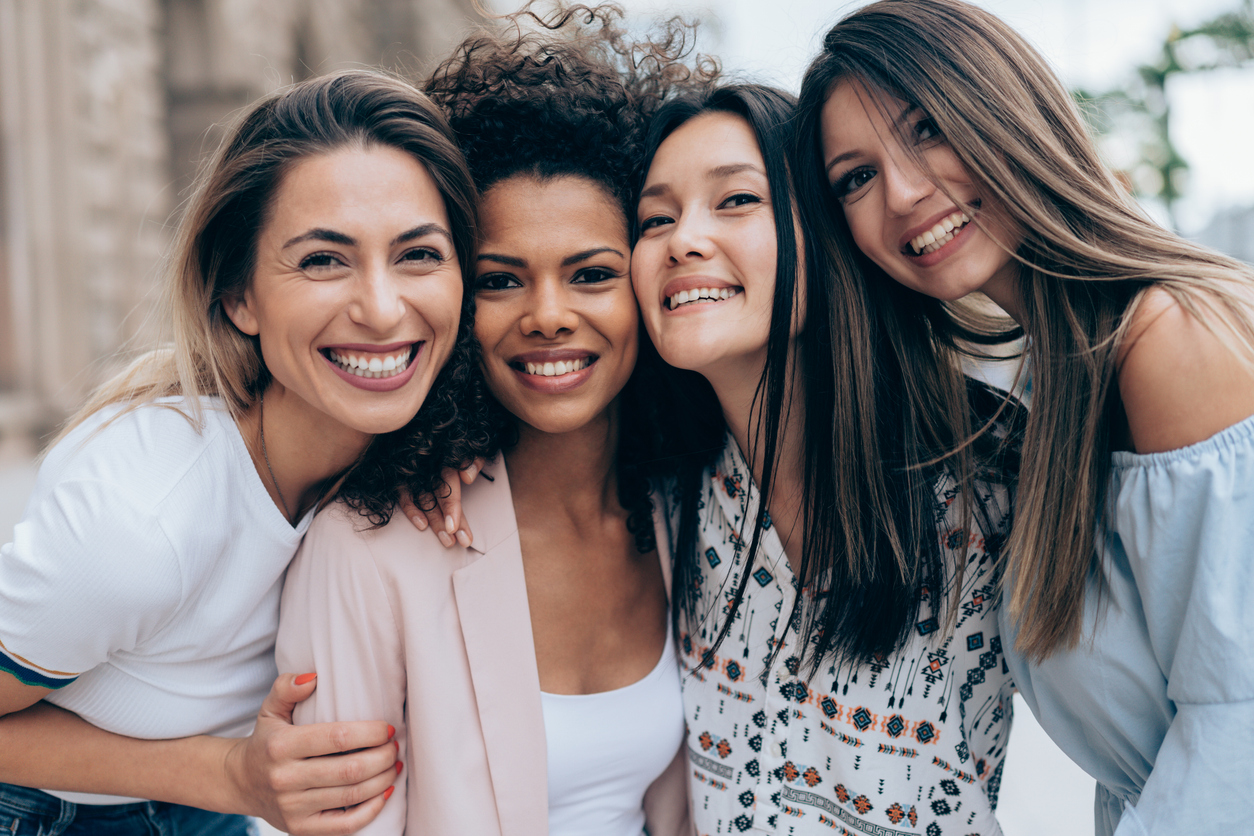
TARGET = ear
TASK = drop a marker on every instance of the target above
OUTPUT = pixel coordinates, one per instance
(239, 311)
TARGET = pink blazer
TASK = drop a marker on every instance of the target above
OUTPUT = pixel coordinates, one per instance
(438, 643)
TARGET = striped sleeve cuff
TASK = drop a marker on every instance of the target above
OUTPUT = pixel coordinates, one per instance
(29, 673)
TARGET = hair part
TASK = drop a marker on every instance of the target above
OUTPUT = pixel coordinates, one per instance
(1087, 255)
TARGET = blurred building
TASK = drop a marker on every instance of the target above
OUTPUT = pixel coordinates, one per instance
(106, 107)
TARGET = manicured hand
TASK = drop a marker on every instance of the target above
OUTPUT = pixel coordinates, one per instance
(323, 779)
(442, 511)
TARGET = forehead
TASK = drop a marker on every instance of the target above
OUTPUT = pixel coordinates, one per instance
(560, 213)
(854, 109)
(705, 142)
(356, 185)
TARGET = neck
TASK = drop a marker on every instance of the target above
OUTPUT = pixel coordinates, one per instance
(568, 475)
(1003, 289)
(746, 422)
(301, 454)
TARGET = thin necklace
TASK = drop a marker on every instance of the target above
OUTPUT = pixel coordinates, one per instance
(261, 420)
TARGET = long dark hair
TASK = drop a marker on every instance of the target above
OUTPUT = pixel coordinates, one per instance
(569, 93)
(695, 427)
(871, 461)
(1087, 256)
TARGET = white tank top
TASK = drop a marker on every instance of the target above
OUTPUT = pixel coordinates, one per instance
(605, 750)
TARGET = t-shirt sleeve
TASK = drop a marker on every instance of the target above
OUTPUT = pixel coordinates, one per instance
(87, 575)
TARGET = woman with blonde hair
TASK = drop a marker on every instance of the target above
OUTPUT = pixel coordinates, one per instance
(317, 301)
(941, 157)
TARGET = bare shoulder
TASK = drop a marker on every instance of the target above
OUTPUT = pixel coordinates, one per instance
(1179, 380)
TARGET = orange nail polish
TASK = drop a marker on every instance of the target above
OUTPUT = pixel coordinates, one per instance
(388, 793)
(399, 766)
(305, 678)
(397, 744)
(391, 732)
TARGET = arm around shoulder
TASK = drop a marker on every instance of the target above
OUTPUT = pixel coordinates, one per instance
(1179, 380)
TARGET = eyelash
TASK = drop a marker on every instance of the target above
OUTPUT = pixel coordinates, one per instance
(749, 198)
(844, 186)
(324, 259)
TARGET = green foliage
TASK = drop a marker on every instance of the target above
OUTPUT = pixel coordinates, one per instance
(1142, 108)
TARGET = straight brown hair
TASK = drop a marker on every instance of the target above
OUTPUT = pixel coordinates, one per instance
(1087, 256)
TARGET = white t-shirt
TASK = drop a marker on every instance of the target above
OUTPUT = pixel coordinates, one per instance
(143, 580)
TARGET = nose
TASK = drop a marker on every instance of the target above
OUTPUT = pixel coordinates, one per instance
(549, 312)
(689, 238)
(377, 301)
(906, 184)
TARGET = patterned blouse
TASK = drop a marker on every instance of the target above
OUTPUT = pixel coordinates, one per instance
(909, 744)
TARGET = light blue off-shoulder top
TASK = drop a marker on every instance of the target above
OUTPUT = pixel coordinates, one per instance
(1157, 701)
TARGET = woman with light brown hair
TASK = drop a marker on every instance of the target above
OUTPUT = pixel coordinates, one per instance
(317, 302)
(940, 157)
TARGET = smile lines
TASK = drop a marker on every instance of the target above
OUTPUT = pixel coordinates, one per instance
(700, 294)
(374, 367)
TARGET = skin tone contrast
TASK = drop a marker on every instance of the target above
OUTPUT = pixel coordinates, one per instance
(708, 231)
(558, 324)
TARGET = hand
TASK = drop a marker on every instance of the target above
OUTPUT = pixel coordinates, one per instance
(327, 778)
(442, 512)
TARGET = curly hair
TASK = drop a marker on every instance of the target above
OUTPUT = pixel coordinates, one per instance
(569, 93)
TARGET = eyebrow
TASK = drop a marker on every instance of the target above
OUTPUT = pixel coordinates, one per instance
(717, 173)
(587, 254)
(849, 155)
(501, 259)
(331, 236)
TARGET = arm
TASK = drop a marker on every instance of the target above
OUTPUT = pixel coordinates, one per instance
(337, 617)
(67, 603)
(286, 775)
(1180, 385)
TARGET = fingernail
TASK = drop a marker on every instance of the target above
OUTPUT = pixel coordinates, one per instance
(445, 539)
(306, 677)
(391, 733)
(388, 793)
(472, 472)
(420, 522)
(397, 744)
(463, 538)
(399, 766)
(449, 524)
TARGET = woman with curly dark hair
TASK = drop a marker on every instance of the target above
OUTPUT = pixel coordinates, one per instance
(530, 674)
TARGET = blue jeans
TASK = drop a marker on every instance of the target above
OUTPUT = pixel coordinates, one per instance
(27, 812)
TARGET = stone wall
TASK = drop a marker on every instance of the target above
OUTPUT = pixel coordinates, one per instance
(106, 108)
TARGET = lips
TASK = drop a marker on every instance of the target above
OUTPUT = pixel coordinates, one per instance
(937, 232)
(375, 368)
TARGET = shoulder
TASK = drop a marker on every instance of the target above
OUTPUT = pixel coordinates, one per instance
(1181, 379)
(145, 452)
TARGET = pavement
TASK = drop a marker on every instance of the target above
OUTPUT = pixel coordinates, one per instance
(1042, 792)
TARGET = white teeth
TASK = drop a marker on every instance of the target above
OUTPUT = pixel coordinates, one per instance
(372, 367)
(714, 294)
(559, 368)
(939, 235)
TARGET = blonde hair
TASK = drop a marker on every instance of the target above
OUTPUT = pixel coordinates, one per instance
(214, 249)
(1087, 255)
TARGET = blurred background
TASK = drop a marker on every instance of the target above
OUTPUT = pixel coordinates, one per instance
(107, 107)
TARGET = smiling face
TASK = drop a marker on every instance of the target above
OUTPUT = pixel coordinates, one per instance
(357, 290)
(898, 215)
(704, 267)
(555, 314)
